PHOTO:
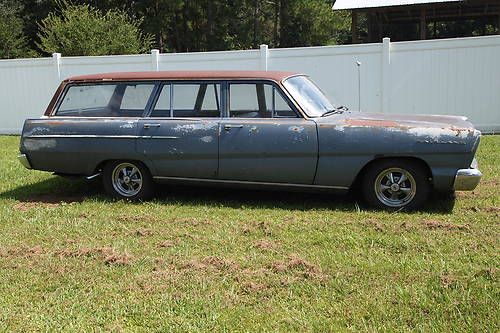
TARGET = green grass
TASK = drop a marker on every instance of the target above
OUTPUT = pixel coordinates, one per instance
(201, 259)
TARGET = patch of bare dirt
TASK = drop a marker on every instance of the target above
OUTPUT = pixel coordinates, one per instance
(433, 224)
(494, 182)
(257, 226)
(27, 206)
(492, 209)
(25, 252)
(210, 263)
(166, 244)
(136, 218)
(447, 280)
(120, 259)
(143, 232)
(193, 221)
(488, 273)
(253, 287)
(296, 264)
(108, 254)
(374, 223)
(265, 244)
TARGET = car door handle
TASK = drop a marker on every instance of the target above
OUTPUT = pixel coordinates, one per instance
(151, 125)
(227, 127)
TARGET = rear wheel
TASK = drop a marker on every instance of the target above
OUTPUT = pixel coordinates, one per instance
(396, 185)
(128, 180)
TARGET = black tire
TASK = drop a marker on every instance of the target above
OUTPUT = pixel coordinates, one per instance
(383, 188)
(136, 185)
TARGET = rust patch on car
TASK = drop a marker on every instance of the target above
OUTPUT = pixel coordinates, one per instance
(372, 123)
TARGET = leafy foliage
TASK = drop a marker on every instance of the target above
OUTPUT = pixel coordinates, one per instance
(12, 39)
(84, 30)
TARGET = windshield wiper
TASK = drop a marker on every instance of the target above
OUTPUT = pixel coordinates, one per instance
(337, 110)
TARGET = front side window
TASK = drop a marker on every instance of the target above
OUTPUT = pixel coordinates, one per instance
(105, 100)
(257, 100)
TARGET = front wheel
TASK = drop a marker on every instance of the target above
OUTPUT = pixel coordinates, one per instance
(396, 185)
(127, 180)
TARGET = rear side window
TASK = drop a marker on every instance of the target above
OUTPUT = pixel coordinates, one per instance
(105, 100)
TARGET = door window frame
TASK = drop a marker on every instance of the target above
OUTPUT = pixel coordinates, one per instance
(276, 89)
(171, 83)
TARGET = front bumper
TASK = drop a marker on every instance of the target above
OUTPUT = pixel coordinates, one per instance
(24, 161)
(467, 179)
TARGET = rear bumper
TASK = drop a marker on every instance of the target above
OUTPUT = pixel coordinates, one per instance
(467, 179)
(24, 161)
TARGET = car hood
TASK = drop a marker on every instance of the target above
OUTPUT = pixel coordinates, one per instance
(419, 125)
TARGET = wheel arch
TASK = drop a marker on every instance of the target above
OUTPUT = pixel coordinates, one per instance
(100, 166)
(358, 179)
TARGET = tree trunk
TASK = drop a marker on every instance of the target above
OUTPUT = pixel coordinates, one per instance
(284, 22)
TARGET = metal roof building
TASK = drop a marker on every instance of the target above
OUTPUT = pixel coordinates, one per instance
(421, 19)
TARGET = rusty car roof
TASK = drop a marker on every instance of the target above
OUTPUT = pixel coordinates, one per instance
(180, 75)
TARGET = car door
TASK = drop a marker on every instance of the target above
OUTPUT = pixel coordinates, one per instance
(180, 136)
(263, 139)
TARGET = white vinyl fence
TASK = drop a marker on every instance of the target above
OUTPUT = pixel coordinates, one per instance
(454, 76)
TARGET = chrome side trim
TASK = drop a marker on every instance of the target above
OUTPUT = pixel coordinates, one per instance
(222, 181)
(467, 179)
(23, 159)
(93, 176)
(92, 136)
(158, 137)
(81, 136)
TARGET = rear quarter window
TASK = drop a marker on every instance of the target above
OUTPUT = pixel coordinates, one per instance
(105, 100)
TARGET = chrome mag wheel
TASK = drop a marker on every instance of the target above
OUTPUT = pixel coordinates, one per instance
(395, 187)
(127, 179)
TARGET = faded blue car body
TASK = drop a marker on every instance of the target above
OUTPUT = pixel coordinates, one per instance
(307, 152)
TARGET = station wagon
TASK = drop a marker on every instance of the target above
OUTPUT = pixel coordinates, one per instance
(244, 128)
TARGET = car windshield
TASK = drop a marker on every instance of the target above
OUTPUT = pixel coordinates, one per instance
(310, 98)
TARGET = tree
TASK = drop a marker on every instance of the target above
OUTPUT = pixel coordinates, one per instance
(12, 40)
(82, 30)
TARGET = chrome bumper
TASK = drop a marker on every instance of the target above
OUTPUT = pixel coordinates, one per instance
(24, 161)
(467, 179)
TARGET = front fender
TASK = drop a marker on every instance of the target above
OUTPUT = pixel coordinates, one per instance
(345, 149)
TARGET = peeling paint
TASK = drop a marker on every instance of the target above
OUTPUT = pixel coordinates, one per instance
(253, 130)
(437, 133)
(175, 151)
(207, 139)
(188, 128)
(298, 129)
(130, 124)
